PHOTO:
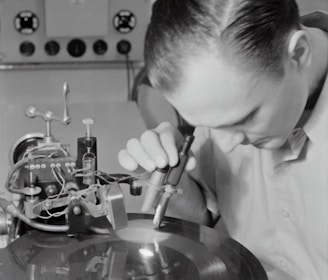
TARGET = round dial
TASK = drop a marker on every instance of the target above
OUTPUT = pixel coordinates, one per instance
(76, 48)
(52, 48)
(100, 47)
(26, 22)
(124, 21)
(27, 48)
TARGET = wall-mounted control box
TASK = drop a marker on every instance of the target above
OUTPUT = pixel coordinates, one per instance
(65, 31)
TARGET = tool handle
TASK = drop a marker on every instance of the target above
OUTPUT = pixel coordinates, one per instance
(174, 173)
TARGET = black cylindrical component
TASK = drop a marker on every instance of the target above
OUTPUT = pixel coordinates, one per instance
(186, 144)
(174, 174)
(135, 190)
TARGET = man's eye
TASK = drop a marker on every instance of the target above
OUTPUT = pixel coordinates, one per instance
(247, 119)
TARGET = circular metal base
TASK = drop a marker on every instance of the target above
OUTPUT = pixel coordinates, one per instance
(179, 250)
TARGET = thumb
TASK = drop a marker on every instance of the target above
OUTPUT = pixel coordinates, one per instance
(191, 163)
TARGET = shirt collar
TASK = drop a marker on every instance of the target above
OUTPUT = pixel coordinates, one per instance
(292, 149)
(318, 19)
(316, 128)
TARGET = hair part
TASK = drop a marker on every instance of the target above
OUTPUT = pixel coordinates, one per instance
(252, 34)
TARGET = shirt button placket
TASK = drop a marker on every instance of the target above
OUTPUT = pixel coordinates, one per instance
(282, 263)
(285, 213)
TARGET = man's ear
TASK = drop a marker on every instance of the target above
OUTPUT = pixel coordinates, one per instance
(299, 49)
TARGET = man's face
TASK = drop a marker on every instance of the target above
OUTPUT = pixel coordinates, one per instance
(242, 108)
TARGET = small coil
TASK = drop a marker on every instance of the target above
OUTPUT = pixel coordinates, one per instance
(89, 168)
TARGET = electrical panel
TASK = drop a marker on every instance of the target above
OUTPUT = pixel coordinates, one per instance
(66, 31)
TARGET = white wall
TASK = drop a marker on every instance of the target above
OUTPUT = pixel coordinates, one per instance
(86, 85)
(312, 5)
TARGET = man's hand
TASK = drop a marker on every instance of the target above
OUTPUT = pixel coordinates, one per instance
(156, 148)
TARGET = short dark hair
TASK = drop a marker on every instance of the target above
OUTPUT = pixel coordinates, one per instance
(253, 32)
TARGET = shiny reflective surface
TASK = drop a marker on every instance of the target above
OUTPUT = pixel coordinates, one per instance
(179, 250)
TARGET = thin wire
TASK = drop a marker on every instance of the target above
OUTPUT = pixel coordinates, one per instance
(60, 175)
(120, 179)
(60, 179)
(45, 145)
(44, 208)
(82, 196)
(116, 179)
(133, 176)
(80, 170)
(57, 214)
(132, 70)
(127, 65)
(17, 166)
(102, 178)
(91, 188)
(57, 178)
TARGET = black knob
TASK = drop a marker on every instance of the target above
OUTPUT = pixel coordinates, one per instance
(100, 47)
(26, 22)
(136, 191)
(76, 48)
(52, 48)
(123, 47)
(27, 48)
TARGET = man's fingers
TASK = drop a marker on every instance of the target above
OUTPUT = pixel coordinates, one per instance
(139, 154)
(169, 136)
(127, 161)
(156, 148)
(169, 144)
(152, 145)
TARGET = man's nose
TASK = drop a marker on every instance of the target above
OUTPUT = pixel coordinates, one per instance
(229, 140)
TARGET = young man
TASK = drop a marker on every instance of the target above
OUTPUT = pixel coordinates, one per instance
(252, 77)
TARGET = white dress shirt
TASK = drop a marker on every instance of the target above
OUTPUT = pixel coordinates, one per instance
(274, 202)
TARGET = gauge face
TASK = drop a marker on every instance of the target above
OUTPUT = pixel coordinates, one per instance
(100, 47)
(52, 48)
(27, 48)
(124, 21)
(26, 22)
(76, 47)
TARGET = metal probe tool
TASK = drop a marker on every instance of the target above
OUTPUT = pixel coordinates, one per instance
(172, 180)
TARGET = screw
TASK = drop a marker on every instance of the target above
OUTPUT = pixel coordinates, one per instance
(77, 210)
(88, 122)
(51, 190)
